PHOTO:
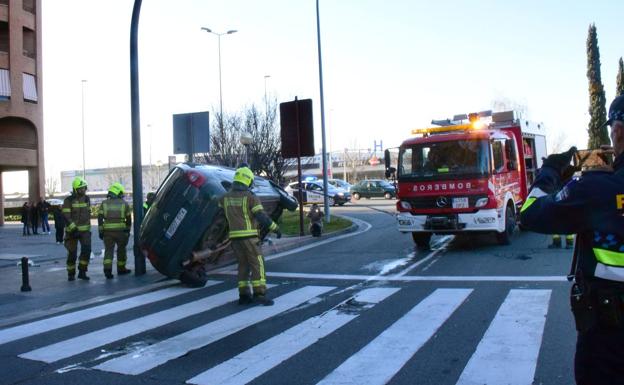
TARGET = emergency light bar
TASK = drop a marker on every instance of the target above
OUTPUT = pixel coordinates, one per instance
(433, 130)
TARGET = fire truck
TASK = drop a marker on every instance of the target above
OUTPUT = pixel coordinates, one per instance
(467, 174)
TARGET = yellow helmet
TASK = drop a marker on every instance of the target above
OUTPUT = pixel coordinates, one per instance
(116, 189)
(244, 175)
(78, 182)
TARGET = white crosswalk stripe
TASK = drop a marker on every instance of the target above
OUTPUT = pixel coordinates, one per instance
(508, 352)
(42, 326)
(265, 356)
(158, 354)
(382, 358)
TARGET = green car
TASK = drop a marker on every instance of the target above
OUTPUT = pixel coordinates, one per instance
(373, 188)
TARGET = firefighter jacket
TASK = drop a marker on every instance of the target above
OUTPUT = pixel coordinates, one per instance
(244, 212)
(77, 213)
(592, 207)
(114, 215)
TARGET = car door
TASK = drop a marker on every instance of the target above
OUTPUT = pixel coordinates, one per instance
(315, 193)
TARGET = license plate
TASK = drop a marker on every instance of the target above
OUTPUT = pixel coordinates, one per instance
(460, 203)
(176, 222)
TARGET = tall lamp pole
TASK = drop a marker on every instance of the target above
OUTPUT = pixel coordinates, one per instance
(220, 88)
(83, 82)
(266, 100)
(324, 148)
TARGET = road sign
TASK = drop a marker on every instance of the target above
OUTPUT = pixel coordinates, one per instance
(191, 133)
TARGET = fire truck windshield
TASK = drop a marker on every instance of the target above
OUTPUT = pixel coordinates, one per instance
(443, 160)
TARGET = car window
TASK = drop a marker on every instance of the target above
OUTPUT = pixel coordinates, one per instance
(315, 187)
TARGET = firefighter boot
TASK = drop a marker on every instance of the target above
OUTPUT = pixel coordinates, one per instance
(71, 277)
(108, 274)
(82, 274)
(263, 300)
(556, 243)
(244, 299)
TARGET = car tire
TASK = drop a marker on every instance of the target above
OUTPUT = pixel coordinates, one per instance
(388, 195)
(421, 240)
(504, 238)
(331, 201)
(356, 196)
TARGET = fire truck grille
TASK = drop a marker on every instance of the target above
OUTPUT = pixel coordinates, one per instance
(441, 201)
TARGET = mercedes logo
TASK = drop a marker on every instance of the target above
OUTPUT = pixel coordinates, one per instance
(442, 201)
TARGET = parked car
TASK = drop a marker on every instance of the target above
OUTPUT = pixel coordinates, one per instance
(313, 193)
(340, 184)
(183, 218)
(373, 188)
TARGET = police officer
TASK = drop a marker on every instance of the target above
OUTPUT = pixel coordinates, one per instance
(114, 222)
(77, 213)
(243, 211)
(593, 208)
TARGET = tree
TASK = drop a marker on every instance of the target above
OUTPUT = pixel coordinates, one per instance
(619, 89)
(597, 111)
(51, 186)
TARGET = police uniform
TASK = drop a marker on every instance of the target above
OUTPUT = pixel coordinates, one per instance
(114, 222)
(593, 208)
(243, 212)
(77, 212)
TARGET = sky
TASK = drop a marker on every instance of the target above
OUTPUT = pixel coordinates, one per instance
(388, 66)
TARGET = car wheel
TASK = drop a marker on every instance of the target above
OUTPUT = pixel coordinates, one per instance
(504, 238)
(331, 202)
(421, 240)
(356, 196)
(388, 195)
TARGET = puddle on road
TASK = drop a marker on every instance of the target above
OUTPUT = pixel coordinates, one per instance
(104, 354)
(387, 265)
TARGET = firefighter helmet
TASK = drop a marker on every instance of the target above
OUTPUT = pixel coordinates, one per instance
(78, 182)
(116, 189)
(244, 175)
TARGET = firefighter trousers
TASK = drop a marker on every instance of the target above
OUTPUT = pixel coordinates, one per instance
(71, 244)
(112, 239)
(250, 266)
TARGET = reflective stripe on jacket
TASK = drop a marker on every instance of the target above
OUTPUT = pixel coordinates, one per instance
(77, 212)
(592, 207)
(114, 215)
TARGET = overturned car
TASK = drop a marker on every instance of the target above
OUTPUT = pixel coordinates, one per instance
(184, 229)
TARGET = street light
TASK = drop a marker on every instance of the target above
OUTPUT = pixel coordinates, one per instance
(266, 101)
(158, 164)
(83, 131)
(246, 139)
(219, 45)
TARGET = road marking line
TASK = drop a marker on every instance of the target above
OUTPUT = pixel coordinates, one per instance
(256, 361)
(443, 242)
(419, 278)
(44, 325)
(382, 358)
(86, 342)
(509, 350)
(363, 227)
(175, 347)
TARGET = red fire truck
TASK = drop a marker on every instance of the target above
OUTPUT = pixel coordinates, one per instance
(468, 174)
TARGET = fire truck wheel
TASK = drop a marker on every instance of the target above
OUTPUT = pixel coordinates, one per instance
(421, 240)
(504, 238)
(356, 196)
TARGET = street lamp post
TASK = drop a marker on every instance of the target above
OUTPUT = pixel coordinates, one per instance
(83, 130)
(219, 48)
(324, 147)
(246, 139)
(266, 101)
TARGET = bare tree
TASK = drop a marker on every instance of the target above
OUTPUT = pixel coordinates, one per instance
(503, 103)
(51, 186)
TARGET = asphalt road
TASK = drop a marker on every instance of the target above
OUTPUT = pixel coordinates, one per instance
(360, 308)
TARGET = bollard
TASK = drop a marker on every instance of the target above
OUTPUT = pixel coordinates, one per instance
(25, 284)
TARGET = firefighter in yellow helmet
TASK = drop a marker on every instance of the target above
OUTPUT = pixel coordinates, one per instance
(77, 212)
(243, 212)
(114, 222)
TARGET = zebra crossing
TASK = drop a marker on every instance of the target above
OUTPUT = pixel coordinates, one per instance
(500, 356)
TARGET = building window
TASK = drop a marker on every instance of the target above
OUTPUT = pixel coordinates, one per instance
(30, 88)
(5, 85)
(28, 6)
(4, 36)
(4, 2)
(29, 43)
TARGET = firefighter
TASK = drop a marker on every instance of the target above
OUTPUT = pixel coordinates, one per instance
(77, 213)
(593, 208)
(243, 212)
(114, 222)
(149, 199)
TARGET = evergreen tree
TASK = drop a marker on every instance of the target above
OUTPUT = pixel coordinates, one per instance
(597, 102)
(619, 88)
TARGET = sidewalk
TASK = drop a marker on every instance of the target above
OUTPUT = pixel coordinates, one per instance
(51, 292)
